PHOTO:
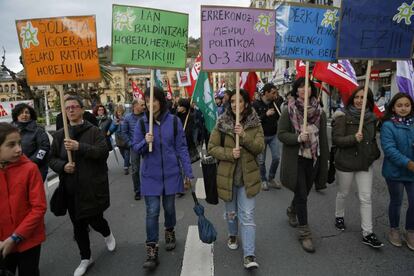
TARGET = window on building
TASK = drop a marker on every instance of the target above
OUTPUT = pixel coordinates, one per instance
(13, 88)
(118, 98)
(1, 88)
(6, 88)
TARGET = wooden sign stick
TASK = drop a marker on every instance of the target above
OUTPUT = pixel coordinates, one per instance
(65, 122)
(364, 101)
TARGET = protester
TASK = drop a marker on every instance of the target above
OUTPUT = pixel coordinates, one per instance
(354, 158)
(22, 206)
(85, 180)
(397, 140)
(35, 141)
(304, 155)
(161, 171)
(268, 108)
(238, 175)
(87, 116)
(104, 123)
(116, 127)
(128, 127)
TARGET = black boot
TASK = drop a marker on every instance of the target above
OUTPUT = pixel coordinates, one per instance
(169, 239)
(152, 256)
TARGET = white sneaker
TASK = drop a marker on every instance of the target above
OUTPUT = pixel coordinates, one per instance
(110, 242)
(83, 267)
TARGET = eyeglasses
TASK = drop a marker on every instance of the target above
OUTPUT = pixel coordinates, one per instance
(72, 107)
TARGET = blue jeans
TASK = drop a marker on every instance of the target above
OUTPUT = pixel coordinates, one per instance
(152, 204)
(241, 208)
(273, 143)
(396, 190)
(135, 167)
(126, 155)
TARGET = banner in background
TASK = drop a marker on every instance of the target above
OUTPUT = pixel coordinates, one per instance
(237, 39)
(183, 78)
(59, 50)
(405, 77)
(306, 32)
(149, 38)
(376, 29)
(7, 107)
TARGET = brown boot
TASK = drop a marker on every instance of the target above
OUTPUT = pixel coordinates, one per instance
(169, 240)
(305, 238)
(409, 238)
(152, 256)
(394, 237)
(293, 221)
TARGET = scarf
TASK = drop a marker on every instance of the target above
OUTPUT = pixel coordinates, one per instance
(356, 113)
(407, 120)
(310, 148)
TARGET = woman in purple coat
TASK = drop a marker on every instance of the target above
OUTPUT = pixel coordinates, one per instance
(161, 171)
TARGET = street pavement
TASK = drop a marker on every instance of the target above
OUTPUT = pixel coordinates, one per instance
(277, 248)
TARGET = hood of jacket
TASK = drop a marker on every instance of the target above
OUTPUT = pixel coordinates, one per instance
(226, 122)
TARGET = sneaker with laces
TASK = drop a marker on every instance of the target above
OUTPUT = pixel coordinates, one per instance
(340, 223)
(170, 241)
(265, 186)
(232, 243)
(83, 267)
(250, 262)
(110, 242)
(372, 241)
(273, 183)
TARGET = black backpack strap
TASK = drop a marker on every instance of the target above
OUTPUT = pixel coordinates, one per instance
(175, 128)
(222, 137)
(143, 130)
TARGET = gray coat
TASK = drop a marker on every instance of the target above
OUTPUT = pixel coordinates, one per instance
(289, 165)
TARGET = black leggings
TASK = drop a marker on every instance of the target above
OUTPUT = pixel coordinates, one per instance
(305, 177)
(80, 229)
(26, 262)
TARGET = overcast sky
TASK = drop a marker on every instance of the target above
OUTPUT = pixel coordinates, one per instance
(11, 10)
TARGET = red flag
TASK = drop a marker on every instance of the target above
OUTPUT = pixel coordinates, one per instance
(169, 90)
(248, 82)
(300, 69)
(340, 75)
(194, 75)
(320, 86)
(138, 94)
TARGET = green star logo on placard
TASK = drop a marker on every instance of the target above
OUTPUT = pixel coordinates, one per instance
(404, 13)
(29, 35)
(264, 23)
(330, 18)
(124, 19)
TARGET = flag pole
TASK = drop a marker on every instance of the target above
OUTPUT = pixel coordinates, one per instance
(151, 108)
(306, 102)
(364, 101)
(237, 107)
(65, 123)
(188, 113)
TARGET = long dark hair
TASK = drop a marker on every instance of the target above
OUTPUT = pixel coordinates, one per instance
(300, 82)
(389, 112)
(18, 109)
(248, 106)
(6, 129)
(370, 98)
(158, 95)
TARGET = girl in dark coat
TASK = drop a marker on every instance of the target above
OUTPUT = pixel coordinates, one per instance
(356, 152)
(304, 155)
(35, 141)
(104, 123)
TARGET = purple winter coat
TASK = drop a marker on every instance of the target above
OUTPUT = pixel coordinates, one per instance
(161, 168)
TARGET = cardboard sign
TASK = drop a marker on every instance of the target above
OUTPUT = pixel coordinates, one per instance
(237, 39)
(149, 38)
(376, 29)
(7, 107)
(59, 50)
(306, 32)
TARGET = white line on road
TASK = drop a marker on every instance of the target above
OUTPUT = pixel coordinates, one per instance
(198, 256)
(199, 189)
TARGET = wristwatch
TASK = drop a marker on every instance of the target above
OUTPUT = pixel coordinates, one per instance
(17, 239)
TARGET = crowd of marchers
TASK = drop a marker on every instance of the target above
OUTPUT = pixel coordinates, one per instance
(159, 162)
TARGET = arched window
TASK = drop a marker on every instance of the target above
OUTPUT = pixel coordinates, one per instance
(1, 88)
(13, 88)
(6, 88)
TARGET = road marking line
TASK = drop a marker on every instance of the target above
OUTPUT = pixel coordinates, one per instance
(200, 191)
(198, 256)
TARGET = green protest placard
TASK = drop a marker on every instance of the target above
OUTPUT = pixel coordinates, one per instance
(143, 37)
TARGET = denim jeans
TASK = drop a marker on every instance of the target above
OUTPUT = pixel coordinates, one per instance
(241, 208)
(125, 152)
(152, 204)
(363, 180)
(396, 190)
(135, 169)
(273, 143)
